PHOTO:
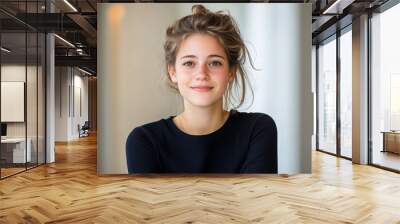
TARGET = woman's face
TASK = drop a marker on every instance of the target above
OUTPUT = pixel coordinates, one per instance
(201, 70)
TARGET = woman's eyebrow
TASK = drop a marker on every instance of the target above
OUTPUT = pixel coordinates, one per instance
(188, 56)
(216, 55)
(209, 56)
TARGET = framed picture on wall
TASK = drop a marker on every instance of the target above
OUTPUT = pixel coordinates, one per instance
(12, 101)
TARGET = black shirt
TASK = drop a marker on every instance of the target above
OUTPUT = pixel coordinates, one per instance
(246, 143)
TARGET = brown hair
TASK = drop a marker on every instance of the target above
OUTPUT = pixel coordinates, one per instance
(225, 30)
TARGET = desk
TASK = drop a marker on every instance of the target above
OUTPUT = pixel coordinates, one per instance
(391, 141)
(15, 148)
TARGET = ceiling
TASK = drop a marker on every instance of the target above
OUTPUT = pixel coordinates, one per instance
(76, 22)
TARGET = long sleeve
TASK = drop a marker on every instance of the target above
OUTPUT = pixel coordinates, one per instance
(262, 155)
(141, 156)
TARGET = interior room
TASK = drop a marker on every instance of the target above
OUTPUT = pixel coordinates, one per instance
(54, 98)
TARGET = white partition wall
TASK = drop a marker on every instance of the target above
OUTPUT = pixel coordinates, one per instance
(71, 102)
(131, 75)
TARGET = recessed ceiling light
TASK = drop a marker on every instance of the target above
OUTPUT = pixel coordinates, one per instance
(70, 5)
(64, 40)
(5, 49)
(84, 71)
(335, 7)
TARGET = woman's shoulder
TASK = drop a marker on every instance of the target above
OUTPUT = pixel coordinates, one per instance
(148, 129)
(257, 117)
(254, 121)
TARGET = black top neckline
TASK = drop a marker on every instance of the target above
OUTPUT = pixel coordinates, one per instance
(219, 130)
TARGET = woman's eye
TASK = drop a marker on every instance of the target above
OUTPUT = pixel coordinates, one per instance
(215, 64)
(188, 63)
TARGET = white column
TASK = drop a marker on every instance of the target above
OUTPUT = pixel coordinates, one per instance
(50, 99)
(360, 90)
(50, 108)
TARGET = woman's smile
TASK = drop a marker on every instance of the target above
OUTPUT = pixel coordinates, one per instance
(202, 88)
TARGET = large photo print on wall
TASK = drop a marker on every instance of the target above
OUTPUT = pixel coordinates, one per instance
(204, 88)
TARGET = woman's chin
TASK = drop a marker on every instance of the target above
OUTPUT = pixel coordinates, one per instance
(202, 102)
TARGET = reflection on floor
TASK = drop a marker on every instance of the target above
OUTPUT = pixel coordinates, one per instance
(10, 169)
(386, 159)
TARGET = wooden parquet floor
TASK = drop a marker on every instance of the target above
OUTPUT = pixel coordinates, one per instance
(70, 191)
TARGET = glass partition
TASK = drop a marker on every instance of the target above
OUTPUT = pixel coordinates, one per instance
(327, 96)
(22, 77)
(13, 94)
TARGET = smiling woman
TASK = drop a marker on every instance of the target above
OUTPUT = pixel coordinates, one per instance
(201, 67)
(204, 56)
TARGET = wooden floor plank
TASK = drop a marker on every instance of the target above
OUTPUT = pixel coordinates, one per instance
(70, 191)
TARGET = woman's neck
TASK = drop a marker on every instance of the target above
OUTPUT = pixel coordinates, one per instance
(201, 120)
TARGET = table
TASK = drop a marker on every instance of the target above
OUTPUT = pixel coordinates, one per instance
(391, 141)
(15, 148)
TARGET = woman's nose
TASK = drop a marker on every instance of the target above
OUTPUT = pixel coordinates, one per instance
(202, 71)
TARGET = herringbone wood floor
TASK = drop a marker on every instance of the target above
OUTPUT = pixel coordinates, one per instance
(70, 191)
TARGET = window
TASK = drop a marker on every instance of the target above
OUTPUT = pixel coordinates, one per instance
(327, 96)
(346, 94)
(385, 88)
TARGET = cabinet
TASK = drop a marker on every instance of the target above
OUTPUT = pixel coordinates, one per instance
(391, 141)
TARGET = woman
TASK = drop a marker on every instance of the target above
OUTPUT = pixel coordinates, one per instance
(204, 55)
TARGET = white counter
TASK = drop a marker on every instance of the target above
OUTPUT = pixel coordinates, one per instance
(19, 149)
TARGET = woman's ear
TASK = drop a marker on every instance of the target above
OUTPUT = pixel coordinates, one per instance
(231, 77)
(232, 73)
(172, 73)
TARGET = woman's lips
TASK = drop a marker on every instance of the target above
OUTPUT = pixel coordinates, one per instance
(202, 88)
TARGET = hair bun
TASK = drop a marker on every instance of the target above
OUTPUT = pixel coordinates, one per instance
(199, 10)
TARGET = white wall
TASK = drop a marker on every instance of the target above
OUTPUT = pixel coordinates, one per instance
(67, 117)
(80, 84)
(12, 73)
(279, 37)
(61, 103)
(132, 91)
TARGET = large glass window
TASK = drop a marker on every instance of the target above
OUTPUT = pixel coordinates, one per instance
(385, 88)
(327, 96)
(346, 94)
(22, 91)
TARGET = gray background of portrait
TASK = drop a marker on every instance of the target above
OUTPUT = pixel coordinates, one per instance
(131, 74)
